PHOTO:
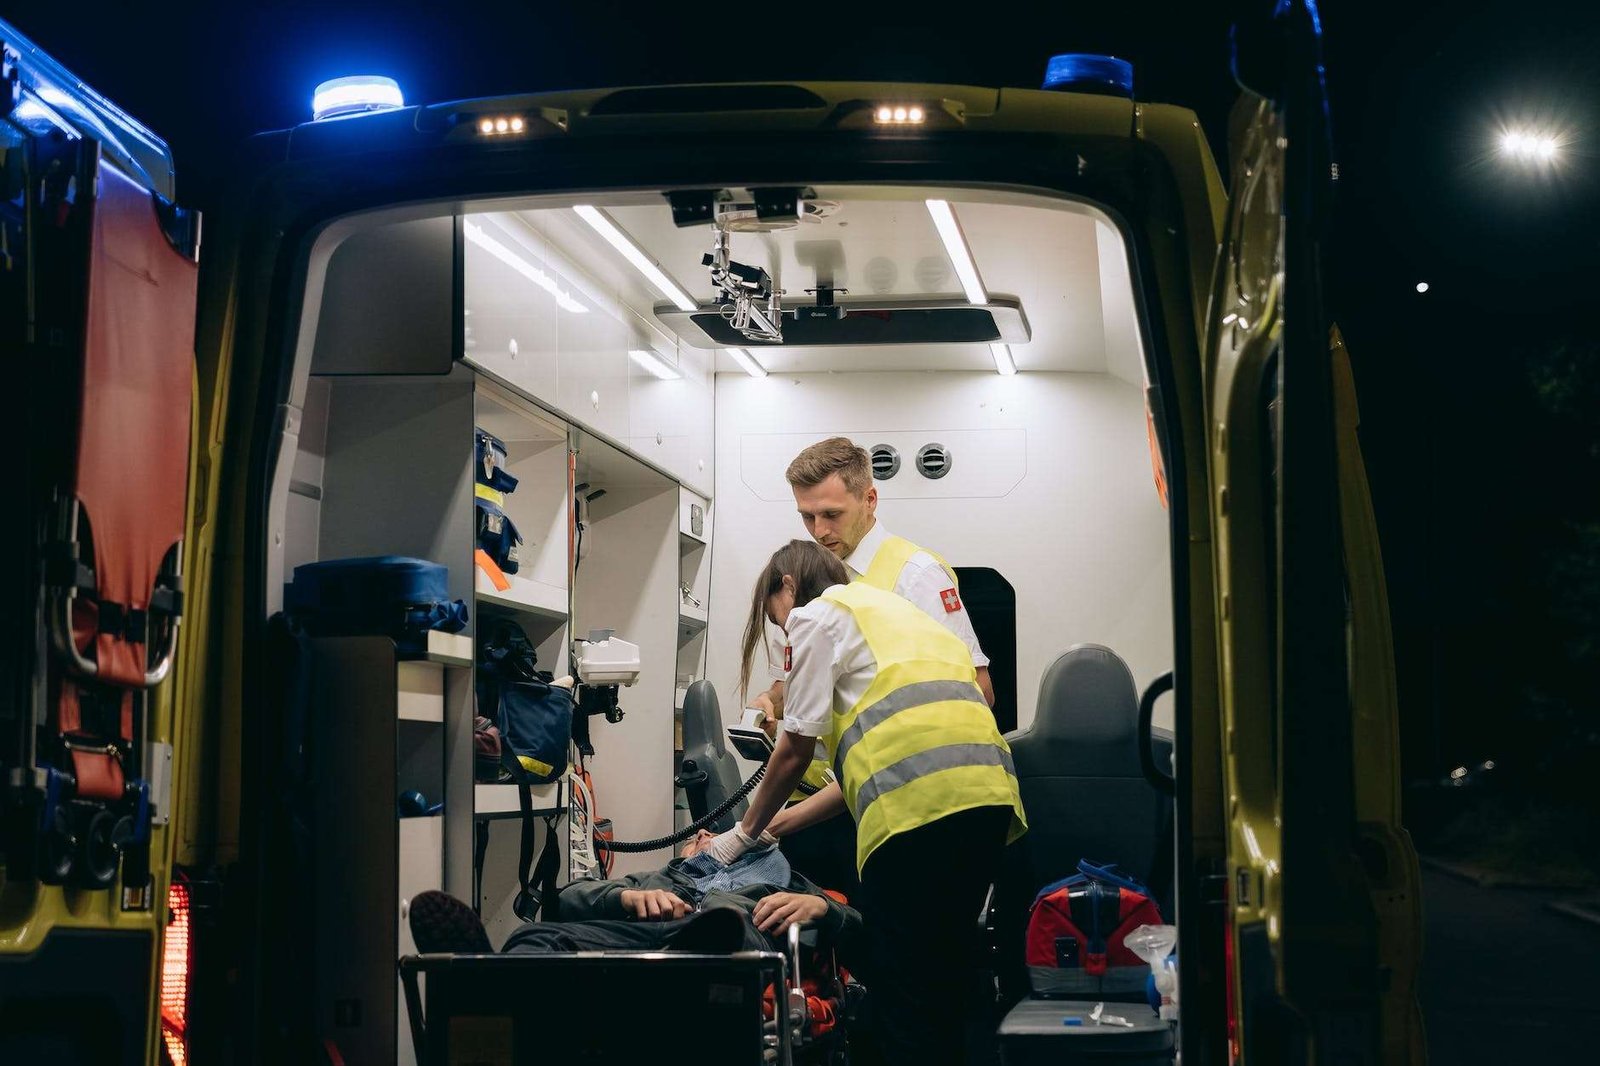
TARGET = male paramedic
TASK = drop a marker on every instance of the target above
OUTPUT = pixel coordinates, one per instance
(837, 501)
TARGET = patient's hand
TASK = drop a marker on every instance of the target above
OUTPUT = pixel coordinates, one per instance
(777, 912)
(654, 904)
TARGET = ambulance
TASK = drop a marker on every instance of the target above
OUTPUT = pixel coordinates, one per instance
(555, 351)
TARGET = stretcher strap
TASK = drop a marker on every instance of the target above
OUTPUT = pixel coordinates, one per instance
(133, 427)
(99, 774)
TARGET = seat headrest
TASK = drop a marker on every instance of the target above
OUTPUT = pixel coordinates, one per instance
(1087, 717)
(702, 720)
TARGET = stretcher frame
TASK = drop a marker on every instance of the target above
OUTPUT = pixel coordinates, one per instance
(622, 979)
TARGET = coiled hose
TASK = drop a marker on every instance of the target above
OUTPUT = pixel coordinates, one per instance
(629, 847)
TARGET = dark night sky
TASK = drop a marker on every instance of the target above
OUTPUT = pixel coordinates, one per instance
(1465, 477)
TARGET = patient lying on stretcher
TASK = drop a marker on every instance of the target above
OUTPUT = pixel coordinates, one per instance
(694, 903)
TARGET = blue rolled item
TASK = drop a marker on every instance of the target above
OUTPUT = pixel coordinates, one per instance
(383, 595)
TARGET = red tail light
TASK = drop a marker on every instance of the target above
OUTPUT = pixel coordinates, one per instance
(1227, 977)
(176, 957)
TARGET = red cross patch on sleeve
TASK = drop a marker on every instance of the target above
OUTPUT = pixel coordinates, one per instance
(788, 658)
(951, 601)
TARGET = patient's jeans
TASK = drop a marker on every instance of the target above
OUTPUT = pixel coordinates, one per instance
(717, 931)
(921, 893)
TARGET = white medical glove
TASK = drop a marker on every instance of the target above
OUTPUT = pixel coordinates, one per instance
(727, 847)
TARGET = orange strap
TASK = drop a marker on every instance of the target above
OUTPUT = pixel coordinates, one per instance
(496, 576)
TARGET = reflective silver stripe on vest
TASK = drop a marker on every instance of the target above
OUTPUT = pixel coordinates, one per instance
(917, 694)
(949, 757)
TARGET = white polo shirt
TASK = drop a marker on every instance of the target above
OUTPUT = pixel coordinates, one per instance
(832, 667)
(922, 581)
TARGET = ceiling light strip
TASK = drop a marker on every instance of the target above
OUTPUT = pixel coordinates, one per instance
(564, 300)
(654, 363)
(955, 246)
(602, 224)
(748, 361)
(1003, 361)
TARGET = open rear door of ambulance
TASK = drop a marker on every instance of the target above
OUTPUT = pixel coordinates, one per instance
(98, 276)
(1322, 904)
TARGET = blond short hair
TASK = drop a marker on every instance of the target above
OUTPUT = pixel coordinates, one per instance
(836, 455)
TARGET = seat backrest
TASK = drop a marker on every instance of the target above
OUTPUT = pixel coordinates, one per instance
(705, 751)
(1078, 770)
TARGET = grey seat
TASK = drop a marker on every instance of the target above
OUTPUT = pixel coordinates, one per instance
(1086, 797)
(709, 773)
(1079, 774)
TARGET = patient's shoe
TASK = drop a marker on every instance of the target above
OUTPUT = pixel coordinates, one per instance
(440, 923)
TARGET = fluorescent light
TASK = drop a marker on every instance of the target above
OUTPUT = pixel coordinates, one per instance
(748, 361)
(474, 233)
(601, 223)
(955, 246)
(653, 362)
(1002, 359)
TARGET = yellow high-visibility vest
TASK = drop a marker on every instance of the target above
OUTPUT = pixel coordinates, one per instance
(921, 743)
(893, 555)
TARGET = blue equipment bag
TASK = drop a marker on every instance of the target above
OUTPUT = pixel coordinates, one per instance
(534, 717)
(498, 536)
(492, 462)
(391, 595)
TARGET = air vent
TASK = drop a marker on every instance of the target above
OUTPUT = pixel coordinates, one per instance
(933, 461)
(885, 462)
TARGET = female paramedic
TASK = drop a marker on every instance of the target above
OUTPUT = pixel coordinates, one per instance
(921, 767)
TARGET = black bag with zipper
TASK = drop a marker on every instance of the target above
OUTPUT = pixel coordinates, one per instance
(534, 720)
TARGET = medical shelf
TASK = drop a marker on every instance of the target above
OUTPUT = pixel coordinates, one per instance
(691, 621)
(448, 649)
(500, 801)
(525, 596)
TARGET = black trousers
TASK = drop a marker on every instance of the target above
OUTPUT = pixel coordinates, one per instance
(717, 931)
(825, 853)
(921, 892)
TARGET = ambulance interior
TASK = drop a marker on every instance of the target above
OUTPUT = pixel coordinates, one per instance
(986, 346)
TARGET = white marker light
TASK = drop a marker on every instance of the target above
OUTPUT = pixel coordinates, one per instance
(1002, 359)
(601, 223)
(899, 114)
(748, 361)
(955, 246)
(516, 124)
(355, 95)
(652, 362)
(486, 126)
(1422, 286)
(1528, 146)
(474, 233)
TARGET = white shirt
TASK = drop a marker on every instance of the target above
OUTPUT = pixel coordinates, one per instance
(922, 581)
(832, 667)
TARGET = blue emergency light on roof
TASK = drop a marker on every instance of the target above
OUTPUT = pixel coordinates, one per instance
(1080, 72)
(355, 95)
